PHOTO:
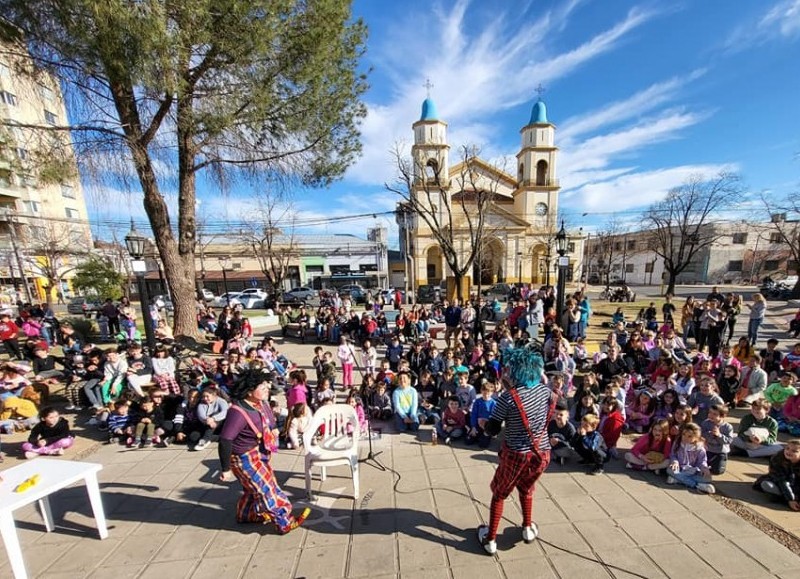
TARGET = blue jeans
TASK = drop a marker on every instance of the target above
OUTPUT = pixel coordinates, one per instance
(752, 330)
(402, 426)
(689, 480)
(454, 434)
(427, 414)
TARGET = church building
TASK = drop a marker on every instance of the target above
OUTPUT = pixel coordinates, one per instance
(521, 214)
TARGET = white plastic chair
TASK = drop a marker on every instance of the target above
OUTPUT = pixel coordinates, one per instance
(335, 447)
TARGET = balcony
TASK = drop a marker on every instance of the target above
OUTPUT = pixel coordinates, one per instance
(544, 183)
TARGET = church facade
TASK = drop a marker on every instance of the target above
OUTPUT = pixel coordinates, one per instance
(521, 214)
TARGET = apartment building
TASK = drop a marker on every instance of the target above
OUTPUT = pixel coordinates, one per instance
(44, 225)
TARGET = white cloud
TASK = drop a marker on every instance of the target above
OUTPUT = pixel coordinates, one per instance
(474, 76)
(638, 190)
(781, 22)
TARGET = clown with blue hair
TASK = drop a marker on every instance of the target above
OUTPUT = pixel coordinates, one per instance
(525, 406)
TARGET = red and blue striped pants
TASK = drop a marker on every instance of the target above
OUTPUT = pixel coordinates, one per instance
(263, 500)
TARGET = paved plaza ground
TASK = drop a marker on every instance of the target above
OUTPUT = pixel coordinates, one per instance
(169, 517)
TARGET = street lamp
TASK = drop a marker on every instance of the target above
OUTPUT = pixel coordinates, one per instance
(519, 266)
(136, 245)
(224, 262)
(563, 264)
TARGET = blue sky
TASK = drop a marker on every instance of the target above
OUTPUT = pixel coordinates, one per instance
(642, 94)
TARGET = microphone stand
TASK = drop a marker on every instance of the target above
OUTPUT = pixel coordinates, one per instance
(372, 457)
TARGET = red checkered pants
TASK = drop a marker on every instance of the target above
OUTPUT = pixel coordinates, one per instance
(518, 470)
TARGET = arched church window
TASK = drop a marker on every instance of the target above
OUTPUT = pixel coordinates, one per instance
(432, 170)
(541, 173)
(521, 171)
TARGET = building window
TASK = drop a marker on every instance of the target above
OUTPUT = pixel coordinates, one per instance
(775, 237)
(571, 247)
(50, 118)
(72, 213)
(735, 265)
(596, 249)
(628, 268)
(8, 98)
(315, 269)
(739, 238)
(631, 244)
(28, 180)
(618, 246)
(32, 206)
(22, 154)
(365, 267)
(771, 264)
(648, 267)
(47, 94)
(68, 191)
(340, 270)
(4, 71)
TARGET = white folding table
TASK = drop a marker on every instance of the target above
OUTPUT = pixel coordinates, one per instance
(54, 475)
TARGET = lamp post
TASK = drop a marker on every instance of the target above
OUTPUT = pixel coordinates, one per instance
(547, 269)
(563, 263)
(224, 262)
(136, 244)
(519, 266)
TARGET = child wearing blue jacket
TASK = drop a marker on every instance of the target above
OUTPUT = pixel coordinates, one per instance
(481, 412)
(589, 444)
(405, 401)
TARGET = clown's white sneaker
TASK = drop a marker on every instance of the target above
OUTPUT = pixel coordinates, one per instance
(529, 534)
(489, 546)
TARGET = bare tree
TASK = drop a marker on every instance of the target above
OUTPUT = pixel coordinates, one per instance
(266, 235)
(610, 244)
(784, 225)
(455, 212)
(681, 225)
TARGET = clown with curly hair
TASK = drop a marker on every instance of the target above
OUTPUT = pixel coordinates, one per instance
(248, 439)
(525, 406)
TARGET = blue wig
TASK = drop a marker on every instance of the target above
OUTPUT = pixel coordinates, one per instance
(524, 366)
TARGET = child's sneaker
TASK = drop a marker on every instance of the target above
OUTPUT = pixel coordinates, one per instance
(70, 407)
(597, 469)
(146, 443)
(671, 481)
(295, 522)
(58, 452)
(30, 454)
(201, 444)
(129, 442)
(529, 534)
(113, 440)
(156, 440)
(489, 546)
(707, 488)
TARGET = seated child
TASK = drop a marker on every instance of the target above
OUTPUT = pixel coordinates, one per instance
(50, 437)
(465, 392)
(428, 398)
(789, 418)
(703, 398)
(380, 403)
(481, 412)
(651, 451)
(682, 415)
(453, 422)
(298, 422)
(405, 402)
(641, 411)
(324, 393)
(758, 432)
(354, 401)
(688, 464)
(783, 478)
(666, 405)
(120, 423)
(611, 423)
(561, 432)
(779, 392)
(589, 444)
(718, 435)
(281, 414)
(298, 391)
(149, 417)
(586, 405)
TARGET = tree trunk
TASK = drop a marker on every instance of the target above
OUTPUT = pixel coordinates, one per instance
(671, 283)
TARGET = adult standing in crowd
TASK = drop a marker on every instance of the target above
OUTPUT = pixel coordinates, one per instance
(525, 407)
(757, 312)
(248, 439)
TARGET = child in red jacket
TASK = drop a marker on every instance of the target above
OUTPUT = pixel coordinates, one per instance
(9, 332)
(611, 423)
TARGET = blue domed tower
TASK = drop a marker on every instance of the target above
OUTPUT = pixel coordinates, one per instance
(536, 197)
(430, 151)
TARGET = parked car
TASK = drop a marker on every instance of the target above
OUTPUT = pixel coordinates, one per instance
(349, 288)
(222, 299)
(163, 303)
(299, 294)
(207, 295)
(498, 291)
(358, 295)
(83, 305)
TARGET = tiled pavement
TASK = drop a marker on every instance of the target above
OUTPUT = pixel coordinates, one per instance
(169, 518)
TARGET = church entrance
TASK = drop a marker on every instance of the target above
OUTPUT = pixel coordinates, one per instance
(433, 265)
(488, 266)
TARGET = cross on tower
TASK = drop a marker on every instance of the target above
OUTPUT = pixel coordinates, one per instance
(540, 90)
(428, 86)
